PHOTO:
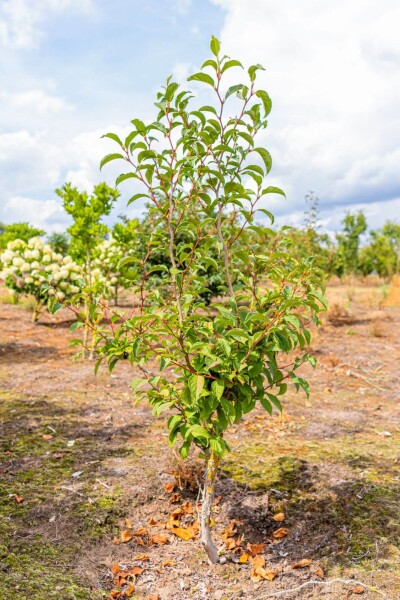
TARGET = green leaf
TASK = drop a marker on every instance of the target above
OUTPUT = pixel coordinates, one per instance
(140, 126)
(273, 190)
(137, 383)
(202, 77)
(196, 385)
(217, 388)
(252, 71)
(112, 136)
(214, 46)
(275, 401)
(266, 404)
(109, 158)
(265, 155)
(266, 100)
(136, 197)
(197, 431)
(231, 63)
(210, 63)
(231, 90)
(268, 213)
(124, 176)
(170, 91)
(218, 446)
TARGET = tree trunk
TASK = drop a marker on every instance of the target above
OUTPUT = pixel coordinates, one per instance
(36, 312)
(206, 507)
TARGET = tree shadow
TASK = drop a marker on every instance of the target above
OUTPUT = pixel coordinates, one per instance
(346, 523)
(12, 352)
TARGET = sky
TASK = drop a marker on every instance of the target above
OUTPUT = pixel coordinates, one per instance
(72, 70)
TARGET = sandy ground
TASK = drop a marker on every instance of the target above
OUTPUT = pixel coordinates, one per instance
(81, 465)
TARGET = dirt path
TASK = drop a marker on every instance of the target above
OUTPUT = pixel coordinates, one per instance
(78, 460)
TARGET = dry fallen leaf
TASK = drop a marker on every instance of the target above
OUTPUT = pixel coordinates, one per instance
(141, 557)
(304, 562)
(183, 533)
(154, 597)
(159, 538)
(244, 558)
(187, 508)
(175, 498)
(255, 548)
(128, 524)
(319, 572)
(258, 561)
(217, 500)
(168, 563)
(18, 499)
(116, 541)
(152, 522)
(258, 573)
(230, 543)
(279, 517)
(126, 536)
(358, 589)
(130, 590)
(47, 436)
(280, 533)
(115, 568)
(169, 487)
(141, 531)
(135, 571)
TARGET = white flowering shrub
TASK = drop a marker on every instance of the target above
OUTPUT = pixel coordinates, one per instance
(27, 265)
(107, 270)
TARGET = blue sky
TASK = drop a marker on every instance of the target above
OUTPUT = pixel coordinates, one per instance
(73, 69)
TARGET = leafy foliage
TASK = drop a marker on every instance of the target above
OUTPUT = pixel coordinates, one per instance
(204, 177)
(17, 231)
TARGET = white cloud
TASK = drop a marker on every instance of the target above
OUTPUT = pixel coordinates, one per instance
(333, 72)
(37, 101)
(45, 214)
(20, 20)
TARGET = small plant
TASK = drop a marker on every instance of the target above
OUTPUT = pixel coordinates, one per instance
(86, 233)
(27, 265)
(203, 174)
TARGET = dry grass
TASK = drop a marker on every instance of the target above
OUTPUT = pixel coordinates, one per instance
(338, 315)
(188, 473)
(393, 292)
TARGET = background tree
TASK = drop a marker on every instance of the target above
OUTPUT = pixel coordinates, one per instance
(195, 166)
(18, 231)
(59, 242)
(349, 243)
(27, 265)
(87, 231)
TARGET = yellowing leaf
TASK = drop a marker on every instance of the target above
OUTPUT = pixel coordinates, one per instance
(244, 558)
(279, 517)
(183, 533)
(255, 548)
(159, 538)
(304, 562)
(280, 533)
(115, 568)
(126, 536)
(141, 557)
(258, 561)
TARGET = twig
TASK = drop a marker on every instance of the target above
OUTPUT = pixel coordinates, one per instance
(325, 583)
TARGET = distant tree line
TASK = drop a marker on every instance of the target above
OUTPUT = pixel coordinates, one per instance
(354, 250)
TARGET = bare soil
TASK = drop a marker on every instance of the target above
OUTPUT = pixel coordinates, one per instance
(81, 464)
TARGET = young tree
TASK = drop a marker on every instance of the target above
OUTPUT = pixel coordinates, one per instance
(349, 243)
(87, 231)
(59, 242)
(203, 161)
(27, 265)
(18, 231)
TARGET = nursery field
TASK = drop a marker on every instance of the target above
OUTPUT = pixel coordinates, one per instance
(94, 504)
